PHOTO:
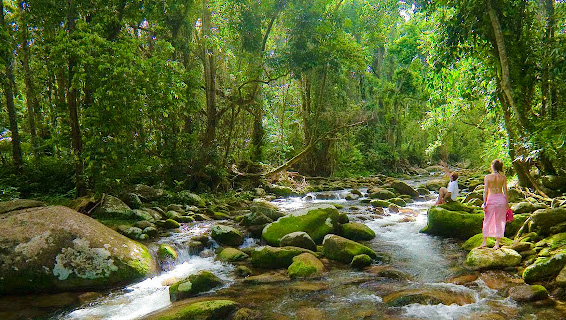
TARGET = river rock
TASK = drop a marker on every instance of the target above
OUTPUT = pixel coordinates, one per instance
(202, 310)
(166, 252)
(143, 215)
(545, 268)
(527, 292)
(361, 261)
(352, 197)
(188, 198)
(428, 296)
(474, 195)
(281, 191)
(147, 193)
(227, 235)
(255, 219)
(273, 258)
(58, 249)
(132, 200)
(262, 207)
(380, 193)
(316, 221)
(193, 285)
(462, 223)
(398, 201)
(298, 239)
(377, 203)
(344, 250)
(403, 188)
(19, 204)
(511, 228)
(357, 231)
(476, 241)
(231, 255)
(484, 258)
(247, 314)
(112, 208)
(305, 265)
(523, 207)
(543, 220)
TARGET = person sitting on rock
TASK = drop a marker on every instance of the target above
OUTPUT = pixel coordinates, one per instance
(451, 192)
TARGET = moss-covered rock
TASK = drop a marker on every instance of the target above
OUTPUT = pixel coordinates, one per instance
(58, 249)
(380, 193)
(147, 193)
(262, 207)
(281, 191)
(523, 293)
(317, 222)
(403, 188)
(227, 235)
(196, 283)
(454, 224)
(305, 265)
(428, 296)
(19, 204)
(344, 250)
(273, 258)
(523, 207)
(203, 310)
(298, 239)
(166, 252)
(377, 203)
(554, 241)
(398, 201)
(255, 219)
(511, 228)
(112, 208)
(476, 241)
(243, 271)
(361, 261)
(483, 258)
(357, 231)
(188, 198)
(170, 224)
(544, 219)
(231, 255)
(545, 268)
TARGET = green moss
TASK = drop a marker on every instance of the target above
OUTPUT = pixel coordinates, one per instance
(379, 203)
(455, 224)
(511, 228)
(231, 255)
(398, 201)
(361, 261)
(305, 265)
(193, 285)
(165, 252)
(476, 241)
(458, 206)
(317, 222)
(204, 310)
(357, 231)
(344, 250)
(273, 258)
(545, 268)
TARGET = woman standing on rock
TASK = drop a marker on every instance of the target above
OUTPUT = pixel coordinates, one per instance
(495, 204)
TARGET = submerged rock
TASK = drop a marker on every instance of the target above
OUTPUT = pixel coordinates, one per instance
(317, 222)
(305, 265)
(484, 258)
(357, 231)
(344, 250)
(196, 283)
(428, 296)
(527, 292)
(58, 249)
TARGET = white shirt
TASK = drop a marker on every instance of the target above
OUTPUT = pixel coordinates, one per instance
(453, 189)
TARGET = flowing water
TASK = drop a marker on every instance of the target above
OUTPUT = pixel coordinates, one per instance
(419, 263)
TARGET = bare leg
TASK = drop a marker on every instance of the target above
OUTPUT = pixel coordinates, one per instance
(484, 243)
(496, 246)
(441, 195)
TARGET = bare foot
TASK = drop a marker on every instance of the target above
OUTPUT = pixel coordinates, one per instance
(495, 247)
(483, 245)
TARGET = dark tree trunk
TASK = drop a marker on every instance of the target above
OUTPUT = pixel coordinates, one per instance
(8, 86)
(72, 105)
(209, 80)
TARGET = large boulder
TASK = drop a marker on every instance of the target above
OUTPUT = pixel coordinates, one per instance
(202, 310)
(58, 249)
(196, 283)
(403, 188)
(380, 193)
(511, 228)
(231, 255)
(189, 198)
(19, 204)
(429, 296)
(545, 268)
(543, 220)
(281, 191)
(482, 258)
(461, 224)
(227, 235)
(317, 222)
(476, 241)
(298, 239)
(113, 208)
(344, 250)
(523, 207)
(147, 193)
(273, 258)
(305, 265)
(357, 231)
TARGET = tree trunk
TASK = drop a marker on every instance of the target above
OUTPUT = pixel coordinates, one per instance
(72, 106)
(31, 99)
(209, 79)
(8, 84)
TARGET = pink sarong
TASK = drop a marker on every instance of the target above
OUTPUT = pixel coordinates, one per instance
(494, 216)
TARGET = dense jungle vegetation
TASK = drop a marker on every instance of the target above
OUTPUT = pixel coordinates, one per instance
(98, 95)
